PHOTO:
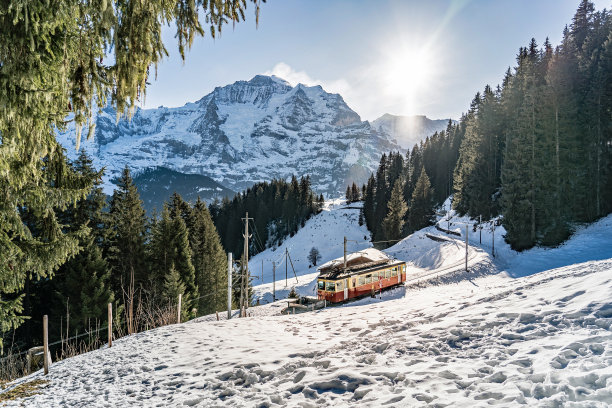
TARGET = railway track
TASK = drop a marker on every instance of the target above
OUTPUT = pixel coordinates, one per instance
(447, 269)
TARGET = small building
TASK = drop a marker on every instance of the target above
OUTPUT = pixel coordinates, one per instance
(365, 272)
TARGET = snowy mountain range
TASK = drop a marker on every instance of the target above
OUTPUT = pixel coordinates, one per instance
(247, 132)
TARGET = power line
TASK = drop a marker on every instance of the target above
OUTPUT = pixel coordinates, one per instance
(257, 236)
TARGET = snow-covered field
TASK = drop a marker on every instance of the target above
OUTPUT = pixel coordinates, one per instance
(491, 336)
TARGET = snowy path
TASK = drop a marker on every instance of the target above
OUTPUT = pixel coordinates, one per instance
(543, 339)
(449, 338)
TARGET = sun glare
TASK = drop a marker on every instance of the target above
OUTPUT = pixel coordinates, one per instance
(408, 74)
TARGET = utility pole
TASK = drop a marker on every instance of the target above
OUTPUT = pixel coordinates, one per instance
(229, 285)
(493, 250)
(245, 266)
(286, 260)
(467, 227)
(345, 254)
(480, 227)
(292, 267)
(274, 281)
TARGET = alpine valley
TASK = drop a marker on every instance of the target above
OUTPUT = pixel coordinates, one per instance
(243, 133)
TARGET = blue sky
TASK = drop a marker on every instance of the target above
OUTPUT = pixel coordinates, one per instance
(383, 56)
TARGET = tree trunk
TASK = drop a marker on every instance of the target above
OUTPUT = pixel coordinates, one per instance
(557, 163)
(598, 147)
(533, 213)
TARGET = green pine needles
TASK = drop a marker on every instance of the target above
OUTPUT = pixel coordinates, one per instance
(59, 60)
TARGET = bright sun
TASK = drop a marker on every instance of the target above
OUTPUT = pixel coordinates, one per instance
(408, 73)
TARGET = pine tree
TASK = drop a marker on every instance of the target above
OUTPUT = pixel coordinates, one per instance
(180, 208)
(393, 223)
(355, 194)
(209, 260)
(368, 203)
(421, 210)
(82, 284)
(84, 288)
(126, 252)
(380, 198)
(169, 248)
(57, 61)
(173, 286)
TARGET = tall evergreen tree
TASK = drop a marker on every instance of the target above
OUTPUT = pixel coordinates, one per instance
(421, 210)
(172, 287)
(126, 251)
(169, 248)
(209, 260)
(355, 193)
(393, 223)
(82, 284)
(84, 288)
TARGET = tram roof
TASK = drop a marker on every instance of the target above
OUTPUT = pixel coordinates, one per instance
(356, 262)
(340, 273)
(364, 256)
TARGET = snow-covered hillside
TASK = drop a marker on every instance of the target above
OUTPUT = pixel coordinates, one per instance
(242, 133)
(490, 336)
(326, 232)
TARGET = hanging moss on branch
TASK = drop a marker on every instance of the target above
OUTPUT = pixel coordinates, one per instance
(58, 61)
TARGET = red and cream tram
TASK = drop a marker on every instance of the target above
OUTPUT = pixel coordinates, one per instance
(366, 272)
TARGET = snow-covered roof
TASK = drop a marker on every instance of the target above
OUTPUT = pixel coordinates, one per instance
(354, 258)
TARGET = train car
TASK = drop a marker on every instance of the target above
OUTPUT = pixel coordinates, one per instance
(366, 272)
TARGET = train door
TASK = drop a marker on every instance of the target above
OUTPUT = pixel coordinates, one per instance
(346, 289)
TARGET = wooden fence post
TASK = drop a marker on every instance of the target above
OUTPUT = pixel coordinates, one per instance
(230, 268)
(110, 325)
(46, 343)
(178, 314)
(466, 247)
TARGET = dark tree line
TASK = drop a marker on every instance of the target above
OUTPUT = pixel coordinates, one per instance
(401, 196)
(279, 208)
(537, 149)
(139, 264)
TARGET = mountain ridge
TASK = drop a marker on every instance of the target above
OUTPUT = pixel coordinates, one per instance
(243, 133)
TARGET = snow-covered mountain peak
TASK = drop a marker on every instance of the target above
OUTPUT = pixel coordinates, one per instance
(245, 132)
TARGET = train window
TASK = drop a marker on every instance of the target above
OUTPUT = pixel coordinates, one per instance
(368, 279)
(388, 273)
(362, 280)
(330, 287)
(404, 268)
(394, 272)
(321, 285)
(340, 286)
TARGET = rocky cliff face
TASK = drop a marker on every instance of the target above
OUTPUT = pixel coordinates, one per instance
(242, 133)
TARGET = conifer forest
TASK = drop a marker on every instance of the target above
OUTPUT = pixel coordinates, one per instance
(536, 149)
(532, 154)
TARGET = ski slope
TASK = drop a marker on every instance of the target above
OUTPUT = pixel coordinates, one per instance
(499, 334)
